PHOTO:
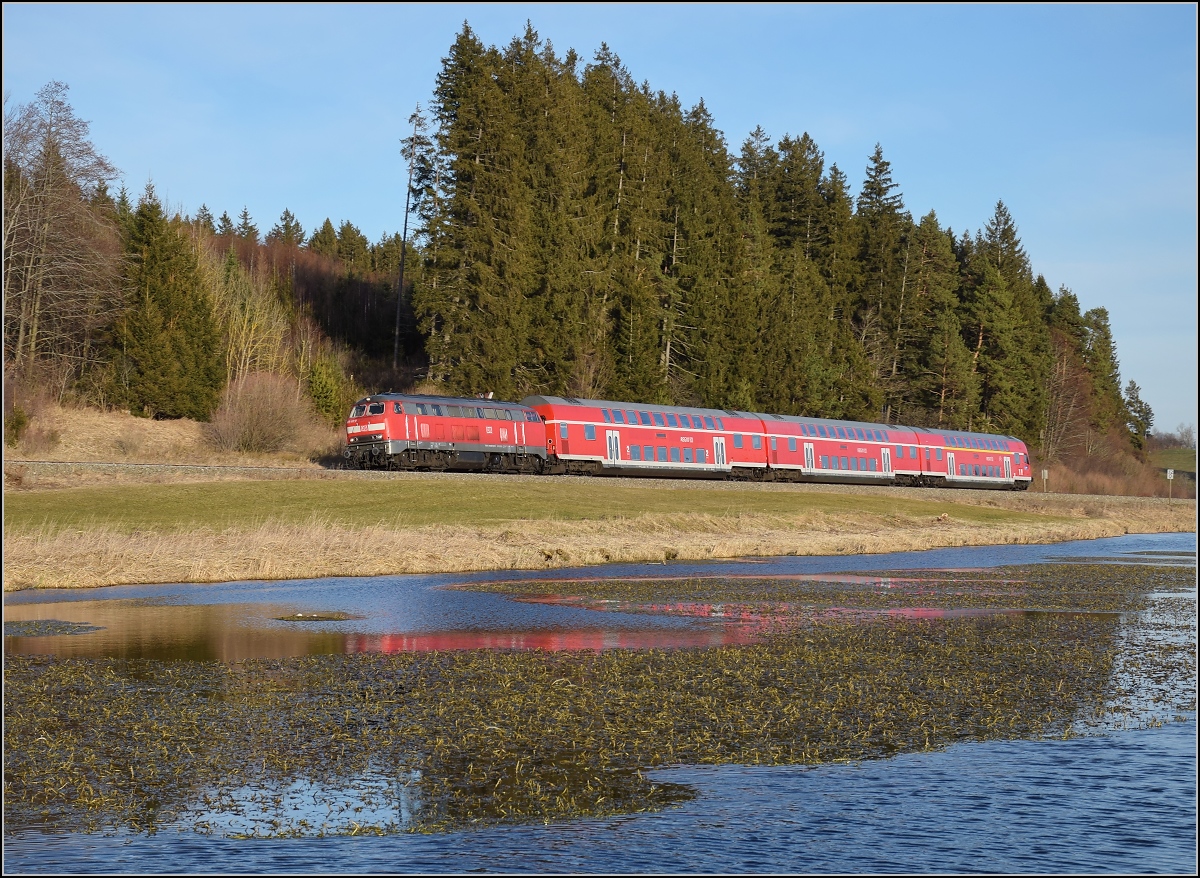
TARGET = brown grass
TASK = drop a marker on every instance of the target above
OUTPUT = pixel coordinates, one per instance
(52, 557)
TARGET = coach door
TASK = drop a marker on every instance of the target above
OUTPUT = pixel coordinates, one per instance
(614, 446)
(719, 450)
(810, 456)
(887, 460)
(950, 464)
(1008, 468)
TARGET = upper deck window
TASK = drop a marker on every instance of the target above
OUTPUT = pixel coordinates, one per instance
(861, 437)
(658, 420)
(821, 429)
(607, 417)
(618, 416)
(720, 426)
(841, 433)
(632, 418)
(671, 420)
(645, 418)
(708, 423)
(685, 422)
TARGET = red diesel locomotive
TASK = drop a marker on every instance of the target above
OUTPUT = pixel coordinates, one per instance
(555, 435)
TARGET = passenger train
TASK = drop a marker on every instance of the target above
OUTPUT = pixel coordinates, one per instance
(556, 435)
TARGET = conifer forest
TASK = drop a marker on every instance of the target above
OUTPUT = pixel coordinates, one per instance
(572, 233)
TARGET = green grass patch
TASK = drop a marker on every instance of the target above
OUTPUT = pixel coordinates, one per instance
(418, 502)
(1180, 459)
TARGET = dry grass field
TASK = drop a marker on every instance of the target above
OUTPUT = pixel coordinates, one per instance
(141, 508)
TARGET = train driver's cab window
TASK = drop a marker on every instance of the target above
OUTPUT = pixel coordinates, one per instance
(397, 408)
(376, 408)
(358, 411)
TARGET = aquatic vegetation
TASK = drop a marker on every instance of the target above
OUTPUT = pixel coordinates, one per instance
(46, 628)
(435, 740)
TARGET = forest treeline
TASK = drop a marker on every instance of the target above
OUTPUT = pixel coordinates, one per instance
(576, 233)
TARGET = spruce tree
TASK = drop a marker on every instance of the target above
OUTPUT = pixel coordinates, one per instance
(287, 231)
(167, 344)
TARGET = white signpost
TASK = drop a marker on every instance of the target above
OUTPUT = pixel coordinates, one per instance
(1170, 481)
(1045, 475)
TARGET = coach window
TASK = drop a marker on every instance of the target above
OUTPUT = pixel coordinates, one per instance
(773, 446)
(661, 456)
(854, 463)
(618, 416)
(791, 443)
(899, 452)
(632, 418)
(912, 451)
(589, 431)
(756, 441)
(824, 461)
(841, 434)
(708, 423)
(701, 455)
(872, 464)
(648, 452)
(635, 452)
(938, 452)
(720, 425)
(397, 408)
(671, 422)
(453, 411)
(606, 415)
(859, 432)
(674, 455)
(645, 418)
(737, 440)
(562, 430)
(687, 455)
(821, 430)
(658, 420)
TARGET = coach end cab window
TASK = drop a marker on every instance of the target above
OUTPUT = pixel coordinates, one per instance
(589, 431)
(562, 430)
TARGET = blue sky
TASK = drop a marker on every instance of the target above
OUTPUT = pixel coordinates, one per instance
(1081, 118)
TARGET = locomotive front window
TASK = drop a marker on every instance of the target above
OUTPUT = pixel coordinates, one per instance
(358, 411)
(376, 408)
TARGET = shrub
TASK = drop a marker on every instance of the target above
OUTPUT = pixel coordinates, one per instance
(263, 413)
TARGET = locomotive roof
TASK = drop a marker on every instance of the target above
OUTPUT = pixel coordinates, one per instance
(446, 400)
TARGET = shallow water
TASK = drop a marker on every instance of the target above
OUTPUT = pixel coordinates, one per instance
(1124, 802)
(239, 620)
(1120, 804)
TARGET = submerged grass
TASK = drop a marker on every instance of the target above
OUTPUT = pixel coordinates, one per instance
(447, 739)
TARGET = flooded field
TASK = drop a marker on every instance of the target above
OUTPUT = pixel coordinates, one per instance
(568, 709)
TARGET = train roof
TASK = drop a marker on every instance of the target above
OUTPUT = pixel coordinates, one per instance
(446, 400)
(624, 406)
